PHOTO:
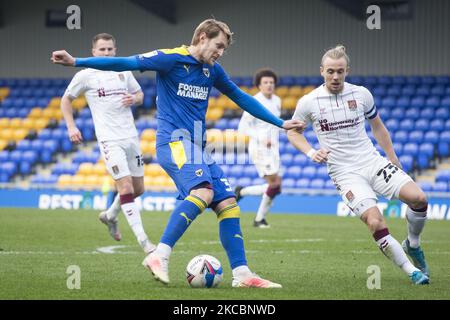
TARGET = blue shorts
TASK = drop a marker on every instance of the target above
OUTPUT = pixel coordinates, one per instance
(189, 166)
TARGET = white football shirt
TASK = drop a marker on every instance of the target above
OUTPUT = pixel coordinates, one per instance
(258, 130)
(338, 121)
(104, 91)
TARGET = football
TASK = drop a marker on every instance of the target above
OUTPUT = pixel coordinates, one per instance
(204, 271)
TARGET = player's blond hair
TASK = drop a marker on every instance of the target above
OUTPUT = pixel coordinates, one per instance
(212, 28)
(336, 53)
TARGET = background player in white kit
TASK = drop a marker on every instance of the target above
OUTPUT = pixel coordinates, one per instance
(263, 146)
(110, 95)
(337, 111)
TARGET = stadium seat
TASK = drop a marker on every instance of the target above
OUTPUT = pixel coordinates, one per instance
(411, 149)
(250, 172)
(286, 159)
(431, 137)
(302, 183)
(407, 162)
(309, 172)
(425, 186)
(288, 183)
(415, 136)
(443, 149)
(440, 187)
(401, 136)
(300, 160)
(329, 185)
(442, 113)
(406, 125)
(293, 172)
(317, 184)
(403, 102)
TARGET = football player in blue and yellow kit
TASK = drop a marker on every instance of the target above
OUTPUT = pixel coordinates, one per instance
(185, 77)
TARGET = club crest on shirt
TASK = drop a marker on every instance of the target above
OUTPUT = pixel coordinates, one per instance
(115, 169)
(350, 196)
(121, 77)
(352, 105)
(199, 172)
(206, 72)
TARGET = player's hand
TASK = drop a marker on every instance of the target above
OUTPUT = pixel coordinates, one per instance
(62, 57)
(320, 156)
(295, 124)
(128, 100)
(75, 135)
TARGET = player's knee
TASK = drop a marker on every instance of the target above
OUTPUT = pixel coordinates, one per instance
(138, 190)
(273, 190)
(125, 187)
(419, 201)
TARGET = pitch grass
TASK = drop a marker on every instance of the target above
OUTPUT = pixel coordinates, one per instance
(314, 257)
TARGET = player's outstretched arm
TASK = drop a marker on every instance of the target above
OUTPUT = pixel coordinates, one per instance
(299, 141)
(381, 135)
(101, 63)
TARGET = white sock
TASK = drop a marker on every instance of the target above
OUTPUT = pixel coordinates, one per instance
(242, 272)
(416, 222)
(113, 211)
(394, 251)
(133, 215)
(264, 207)
(254, 190)
(163, 250)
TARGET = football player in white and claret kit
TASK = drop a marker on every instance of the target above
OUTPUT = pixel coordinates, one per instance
(337, 111)
(110, 95)
(263, 146)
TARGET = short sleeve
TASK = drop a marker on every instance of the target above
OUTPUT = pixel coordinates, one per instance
(370, 110)
(302, 111)
(77, 86)
(132, 84)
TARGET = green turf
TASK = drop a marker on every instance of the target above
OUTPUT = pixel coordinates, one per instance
(314, 257)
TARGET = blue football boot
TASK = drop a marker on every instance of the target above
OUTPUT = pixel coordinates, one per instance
(417, 257)
(419, 278)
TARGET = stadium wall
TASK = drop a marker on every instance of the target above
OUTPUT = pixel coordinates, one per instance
(289, 36)
(439, 206)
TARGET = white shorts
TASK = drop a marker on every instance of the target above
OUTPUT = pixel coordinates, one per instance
(266, 160)
(123, 157)
(381, 177)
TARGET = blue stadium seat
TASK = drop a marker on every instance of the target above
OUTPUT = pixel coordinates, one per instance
(431, 137)
(416, 137)
(394, 90)
(221, 124)
(417, 102)
(45, 134)
(322, 173)
(4, 156)
(85, 113)
(425, 186)
(406, 125)
(427, 113)
(400, 80)
(445, 137)
(438, 125)
(403, 102)
(36, 145)
(391, 124)
(407, 162)
(401, 136)
(444, 80)
(433, 102)
(287, 81)
(422, 124)
(309, 172)
(398, 113)
(250, 172)
(443, 175)
(412, 113)
(423, 90)
(236, 171)
(30, 156)
(385, 113)
(311, 136)
(286, 159)
(408, 90)
(244, 181)
(300, 159)
(438, 90)
(445, 102)
(385, 80)
(398, 148)
(317, 184)
(288, 183)
(301, 81)
(379, 90)
(51, 145)
(289, 148)
(389, 102)
(443, 149)
(411, 149)
(428, 80)
(329, 185)
(440, 187)
(258, 181)
(442, 113)
(302, 183)
(294, 172)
